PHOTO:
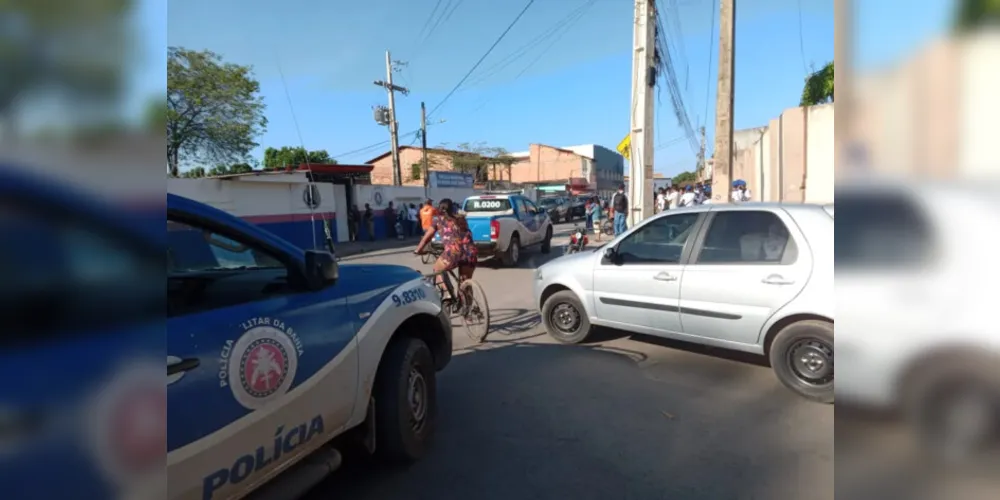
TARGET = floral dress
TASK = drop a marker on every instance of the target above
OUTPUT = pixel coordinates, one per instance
(459, 249)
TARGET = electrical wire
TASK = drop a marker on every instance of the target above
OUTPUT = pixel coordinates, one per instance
(711, 52)
(802, 45)
(311, 186)
(557, 30)
(481, 59)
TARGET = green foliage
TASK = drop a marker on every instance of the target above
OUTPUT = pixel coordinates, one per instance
(76, 48)
(819, 87)
(293, 157)
(971, 15)
(214, 109)
(478, 158)
(415, 171)
(194, 173)
(685, 178)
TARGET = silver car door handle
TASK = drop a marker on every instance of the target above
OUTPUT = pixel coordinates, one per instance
(665, 277)
(776, 279)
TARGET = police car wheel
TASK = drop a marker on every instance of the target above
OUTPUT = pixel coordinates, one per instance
(547, 242)
(565, 318)
(405, 401)
(513, 253)
(801, 356)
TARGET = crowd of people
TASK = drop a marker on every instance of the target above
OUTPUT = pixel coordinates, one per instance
(406, 220)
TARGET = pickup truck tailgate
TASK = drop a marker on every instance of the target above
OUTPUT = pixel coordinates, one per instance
(480, 227)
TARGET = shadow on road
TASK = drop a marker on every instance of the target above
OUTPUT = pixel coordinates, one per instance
(521, 420)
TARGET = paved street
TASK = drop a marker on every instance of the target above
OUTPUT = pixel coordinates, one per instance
(636, 418)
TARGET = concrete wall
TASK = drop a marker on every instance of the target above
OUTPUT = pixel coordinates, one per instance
(790, 160)
(378, 197)
(408, 156)
(277, 206)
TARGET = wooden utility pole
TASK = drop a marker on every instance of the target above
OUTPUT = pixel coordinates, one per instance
(423, 146)
(641, 115)
(723, 166)
(397, 175)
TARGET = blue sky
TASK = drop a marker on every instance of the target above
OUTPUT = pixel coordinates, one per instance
(578, 91)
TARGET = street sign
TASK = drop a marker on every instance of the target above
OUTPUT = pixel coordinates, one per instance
(625, 147)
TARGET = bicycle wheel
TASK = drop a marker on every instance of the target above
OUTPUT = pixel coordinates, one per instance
(475, 310)
(426, 257)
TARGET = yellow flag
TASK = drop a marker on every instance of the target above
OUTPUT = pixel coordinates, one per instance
(625, 147)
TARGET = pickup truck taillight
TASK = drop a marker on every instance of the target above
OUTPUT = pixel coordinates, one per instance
(494, 229)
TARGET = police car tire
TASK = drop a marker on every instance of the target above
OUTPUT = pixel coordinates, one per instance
(395, 439)
(569, 298)
(821, 331)
(547, 242)
(509, 257)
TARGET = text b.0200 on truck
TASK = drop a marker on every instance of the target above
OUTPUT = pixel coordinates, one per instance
(274, 351)
(503, 224)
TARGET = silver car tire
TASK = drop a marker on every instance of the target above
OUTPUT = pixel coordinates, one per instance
(565, 319)
(801, 356)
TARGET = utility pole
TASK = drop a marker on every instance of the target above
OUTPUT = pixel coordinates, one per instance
(843, 55)
(397, 175)
(643, 81)
(423, 146)
(723, 167)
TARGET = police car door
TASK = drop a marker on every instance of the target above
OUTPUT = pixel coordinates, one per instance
(258, 372)
(528, 220)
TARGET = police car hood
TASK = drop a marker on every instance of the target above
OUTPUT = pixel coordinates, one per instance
(372, 276)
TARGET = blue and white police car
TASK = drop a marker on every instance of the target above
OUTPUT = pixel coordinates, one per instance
(273, 351)
(503, 223)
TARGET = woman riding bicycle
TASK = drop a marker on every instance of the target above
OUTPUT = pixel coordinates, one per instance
(459, 249)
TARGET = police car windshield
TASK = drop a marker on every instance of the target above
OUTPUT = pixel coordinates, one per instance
(548, 202)
(487, 205)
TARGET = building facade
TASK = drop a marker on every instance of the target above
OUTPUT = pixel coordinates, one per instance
(585, 168)
(410, 164)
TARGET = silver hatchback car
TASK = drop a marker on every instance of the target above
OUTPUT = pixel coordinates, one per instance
(753, 277)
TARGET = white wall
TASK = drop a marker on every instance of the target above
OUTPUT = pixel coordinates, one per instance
(248, 199)
(405, 194)
(820, 155)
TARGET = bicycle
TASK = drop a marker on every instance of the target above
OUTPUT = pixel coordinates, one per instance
(431, 255)
(465, 304)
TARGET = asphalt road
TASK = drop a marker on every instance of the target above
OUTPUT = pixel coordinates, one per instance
(621, 418)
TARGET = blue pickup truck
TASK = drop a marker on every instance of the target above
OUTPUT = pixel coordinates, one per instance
(504, 223)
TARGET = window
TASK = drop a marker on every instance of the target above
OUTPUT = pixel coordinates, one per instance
(745, 237)
(880, 230)
(487, 205)
(65, 273)
(192, 249)
(530, 206)
(658, 242)
(415, 171)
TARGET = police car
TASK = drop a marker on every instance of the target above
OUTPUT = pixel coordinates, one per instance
(502, 223)
(273, 351)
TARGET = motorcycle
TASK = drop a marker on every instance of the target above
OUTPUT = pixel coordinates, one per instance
(577, 240)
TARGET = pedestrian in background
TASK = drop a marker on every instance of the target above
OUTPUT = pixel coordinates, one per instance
(687, 199)
(620, 205)
(390, 221)
(369, 219)
(597, 217)
(353, 219)
(427, 214)
(411, 218)
(661, 200)
(587, 213)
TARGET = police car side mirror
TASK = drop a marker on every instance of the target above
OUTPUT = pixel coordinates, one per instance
(321, 269)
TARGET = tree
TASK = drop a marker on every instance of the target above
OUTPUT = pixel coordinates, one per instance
(819, 87)
(478, 159)
(293, 157)
(194, 173)
(214, 109)
(971, 15)
(685, 178)
(155, 116)
(51, 47)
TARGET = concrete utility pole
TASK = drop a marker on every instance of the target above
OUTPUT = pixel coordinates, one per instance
(397, 175)
(642, 116)
(843, 55)
(723, 168)
(423, 146)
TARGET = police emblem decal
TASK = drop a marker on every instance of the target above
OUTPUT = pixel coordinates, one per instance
(260, 366)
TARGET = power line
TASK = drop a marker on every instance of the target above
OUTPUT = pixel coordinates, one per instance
(559, 28)
(802, 45)
(583, 10)
(665, 67)
(711, 52)
(481, 59)
(445, 14)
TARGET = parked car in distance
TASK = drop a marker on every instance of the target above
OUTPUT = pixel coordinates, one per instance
(750, 277)
(557, 209)
(577, 206)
